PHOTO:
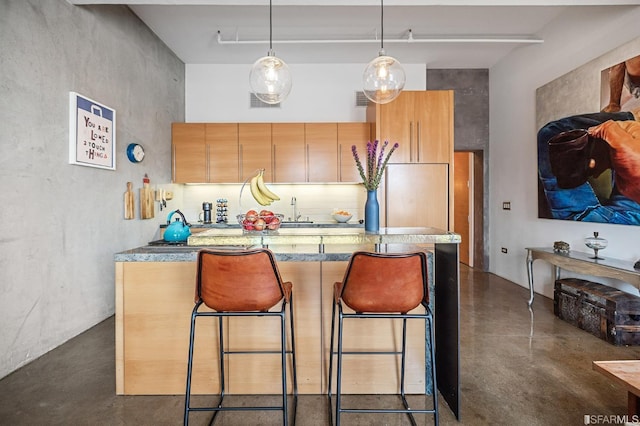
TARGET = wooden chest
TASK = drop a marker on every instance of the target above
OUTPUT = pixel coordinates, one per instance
(608, 313)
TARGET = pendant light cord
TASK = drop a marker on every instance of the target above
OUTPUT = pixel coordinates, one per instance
(381, 24)
(270, 29)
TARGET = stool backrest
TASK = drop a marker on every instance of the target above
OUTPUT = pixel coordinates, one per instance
(242, 280)
(385, 282)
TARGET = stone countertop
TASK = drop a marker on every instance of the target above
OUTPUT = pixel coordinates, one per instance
(323, 237)
(295, 244)
(235, 225)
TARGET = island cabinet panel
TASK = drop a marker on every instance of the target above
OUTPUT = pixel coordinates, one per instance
(366, 374)
(350, 134)
(289, 153)
(153, 310)
(321, 152)
(189, 152)
(154, 301)
(421, 122)
(223, 156)
(254, 141)
(261, 374)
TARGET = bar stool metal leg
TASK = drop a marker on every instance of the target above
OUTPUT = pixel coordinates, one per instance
(270, 293)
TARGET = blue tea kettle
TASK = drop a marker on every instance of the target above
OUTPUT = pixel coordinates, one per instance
(177, 231)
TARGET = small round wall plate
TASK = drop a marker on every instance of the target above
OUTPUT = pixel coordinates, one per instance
(135, 152)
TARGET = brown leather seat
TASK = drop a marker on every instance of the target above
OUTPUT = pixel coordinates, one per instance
(242, 283)
(384, 285)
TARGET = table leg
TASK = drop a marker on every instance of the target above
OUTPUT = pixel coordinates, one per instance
(633, 404)
(530, 276)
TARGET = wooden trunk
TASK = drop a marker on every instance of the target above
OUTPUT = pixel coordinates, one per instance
(606, 312)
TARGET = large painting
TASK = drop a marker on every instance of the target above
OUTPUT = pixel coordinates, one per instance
(589, 161)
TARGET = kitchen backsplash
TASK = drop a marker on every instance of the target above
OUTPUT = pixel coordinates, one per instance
(315, 202)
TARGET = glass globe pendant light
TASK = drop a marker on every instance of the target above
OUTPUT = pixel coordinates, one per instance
(384, 77)
(270, 78)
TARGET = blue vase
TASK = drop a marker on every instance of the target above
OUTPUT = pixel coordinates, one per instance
(372, 212)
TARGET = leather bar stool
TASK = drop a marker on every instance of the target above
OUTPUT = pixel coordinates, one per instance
(243, 283)
(384, 286)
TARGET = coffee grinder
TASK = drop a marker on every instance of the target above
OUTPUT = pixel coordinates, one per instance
(206, 208)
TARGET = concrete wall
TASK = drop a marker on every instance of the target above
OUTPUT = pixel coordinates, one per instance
(471, 133)
(572, 40)
(62, 223)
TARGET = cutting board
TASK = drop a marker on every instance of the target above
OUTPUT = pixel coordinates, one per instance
(129, 207)
(146, 202)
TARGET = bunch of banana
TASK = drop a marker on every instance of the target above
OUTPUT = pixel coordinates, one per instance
(259, 190)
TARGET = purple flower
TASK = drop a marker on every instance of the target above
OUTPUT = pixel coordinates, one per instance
(375, 164)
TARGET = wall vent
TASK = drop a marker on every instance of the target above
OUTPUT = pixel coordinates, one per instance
(254, 102)
(361, 99)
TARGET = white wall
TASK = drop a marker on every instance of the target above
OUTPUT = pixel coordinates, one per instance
(62, 223)
(572, 40)
(320, 93)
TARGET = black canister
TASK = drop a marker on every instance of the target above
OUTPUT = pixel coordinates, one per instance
(206, 207)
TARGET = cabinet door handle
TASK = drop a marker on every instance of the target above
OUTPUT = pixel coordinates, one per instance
(207, 175)
(240, 163)
(418, 142)
(306, 166)
(273, 160)
(411, 141)
(339, 162)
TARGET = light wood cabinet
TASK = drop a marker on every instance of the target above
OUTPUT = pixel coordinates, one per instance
(205, 152)
(289, 152)
(421, 122)
(350, 134)
(254, 140)
(188, 150)
(223, 156)
(321, 156)
(417, 195)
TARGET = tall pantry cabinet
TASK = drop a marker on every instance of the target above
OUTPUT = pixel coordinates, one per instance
(418, 184)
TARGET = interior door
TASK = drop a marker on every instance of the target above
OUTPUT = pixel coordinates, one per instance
(462, 187)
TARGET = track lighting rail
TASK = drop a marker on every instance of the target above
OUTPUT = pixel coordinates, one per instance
(408, 39)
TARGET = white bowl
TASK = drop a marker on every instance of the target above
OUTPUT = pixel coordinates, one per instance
(342, 218)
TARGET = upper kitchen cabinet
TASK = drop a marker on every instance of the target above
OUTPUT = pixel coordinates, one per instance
(223, 159)
(189, 162)
(289, 152)
(254, 140)
(350, 134)
(321, 157)
(421, 122)
(205, 153)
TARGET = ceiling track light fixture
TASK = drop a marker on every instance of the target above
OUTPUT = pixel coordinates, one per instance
(384, 77)
(408, 39)
(270, 78)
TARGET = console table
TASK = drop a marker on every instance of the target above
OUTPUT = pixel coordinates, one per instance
(582, 263)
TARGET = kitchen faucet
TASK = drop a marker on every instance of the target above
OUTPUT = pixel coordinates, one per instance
(294, 203)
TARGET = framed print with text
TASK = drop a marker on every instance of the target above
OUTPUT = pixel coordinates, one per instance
(92, 133)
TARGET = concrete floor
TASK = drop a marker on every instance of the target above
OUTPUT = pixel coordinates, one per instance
(516, 369)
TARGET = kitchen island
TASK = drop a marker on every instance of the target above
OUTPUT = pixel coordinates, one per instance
(154, 299)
